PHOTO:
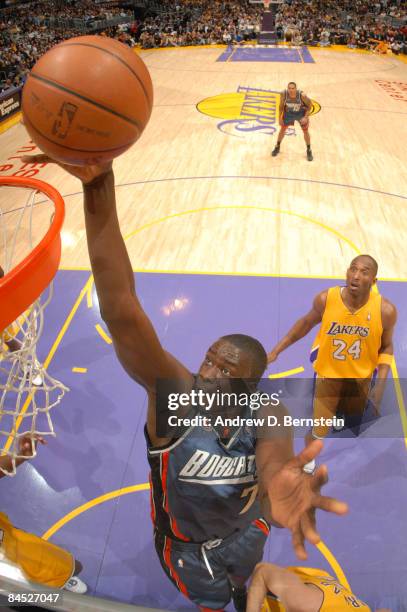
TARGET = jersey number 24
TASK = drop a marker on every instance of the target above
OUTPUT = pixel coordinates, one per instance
(341, 349)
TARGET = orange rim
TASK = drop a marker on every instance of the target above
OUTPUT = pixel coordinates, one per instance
(20, 287)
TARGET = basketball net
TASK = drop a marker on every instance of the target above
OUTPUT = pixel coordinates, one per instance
(27, 391)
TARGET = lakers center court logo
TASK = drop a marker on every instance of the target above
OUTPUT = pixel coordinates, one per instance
(249, 110)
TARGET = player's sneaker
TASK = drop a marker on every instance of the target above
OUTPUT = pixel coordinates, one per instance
(21, 376)
(276, 150)
(239, 597)
(309, 468)
(310, 157)
(337, 427)
(75, 585)
(37, 376)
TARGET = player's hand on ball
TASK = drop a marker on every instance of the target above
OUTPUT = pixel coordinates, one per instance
(86, 174)
(294, 496)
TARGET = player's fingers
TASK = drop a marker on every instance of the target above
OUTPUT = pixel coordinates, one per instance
(320, 477)
(297, 539)
(310, 452)
(39, 158)
(330, 504)
(26, 448)
(308, 527)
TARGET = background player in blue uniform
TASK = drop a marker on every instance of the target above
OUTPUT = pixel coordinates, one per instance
(294, 106)
(209, 537)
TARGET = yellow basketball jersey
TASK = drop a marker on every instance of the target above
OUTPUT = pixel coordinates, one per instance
(337, 598)
(348, 343)
(9, 333)
(39, 560)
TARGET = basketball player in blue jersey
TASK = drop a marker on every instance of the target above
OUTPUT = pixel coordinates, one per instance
(212, 490)
(294, 106)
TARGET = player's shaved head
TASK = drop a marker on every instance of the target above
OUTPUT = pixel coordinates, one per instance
(367, 258)
(292, 83)
(253, 348)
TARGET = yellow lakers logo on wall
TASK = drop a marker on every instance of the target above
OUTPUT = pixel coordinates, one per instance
(248, 110)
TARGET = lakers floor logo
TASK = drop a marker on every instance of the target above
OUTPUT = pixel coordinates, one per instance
(249, 110)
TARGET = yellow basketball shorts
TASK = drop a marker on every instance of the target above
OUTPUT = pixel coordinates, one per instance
(40, 560)
(345, 395)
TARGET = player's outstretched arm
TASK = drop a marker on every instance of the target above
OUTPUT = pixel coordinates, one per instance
(301, 327)
(26, 446)
(135, 340)
(290, 590)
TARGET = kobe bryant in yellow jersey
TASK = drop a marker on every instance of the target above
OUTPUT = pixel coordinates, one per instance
(354, 342)
(300, 589)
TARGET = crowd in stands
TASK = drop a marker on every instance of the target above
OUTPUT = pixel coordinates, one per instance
(202, 23)
(375, 25)
(29, 30)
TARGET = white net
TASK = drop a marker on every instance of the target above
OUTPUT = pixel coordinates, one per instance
(27, 391)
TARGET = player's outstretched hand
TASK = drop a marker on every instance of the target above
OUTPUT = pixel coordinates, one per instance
(294, 496)
(86, 174)
(27, 444)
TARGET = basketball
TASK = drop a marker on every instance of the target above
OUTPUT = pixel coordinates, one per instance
(87, 100)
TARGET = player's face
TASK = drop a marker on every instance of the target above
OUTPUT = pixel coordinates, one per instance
(292, 90)
(360, 276)
(224, 360)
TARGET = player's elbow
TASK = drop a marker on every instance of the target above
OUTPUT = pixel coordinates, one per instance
(113, 310)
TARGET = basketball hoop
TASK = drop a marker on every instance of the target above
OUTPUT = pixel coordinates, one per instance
(30, 262)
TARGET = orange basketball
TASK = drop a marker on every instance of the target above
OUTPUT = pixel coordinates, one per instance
(87, 100)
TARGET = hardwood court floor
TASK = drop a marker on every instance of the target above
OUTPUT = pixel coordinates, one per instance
(200, 193)
(353, 192)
